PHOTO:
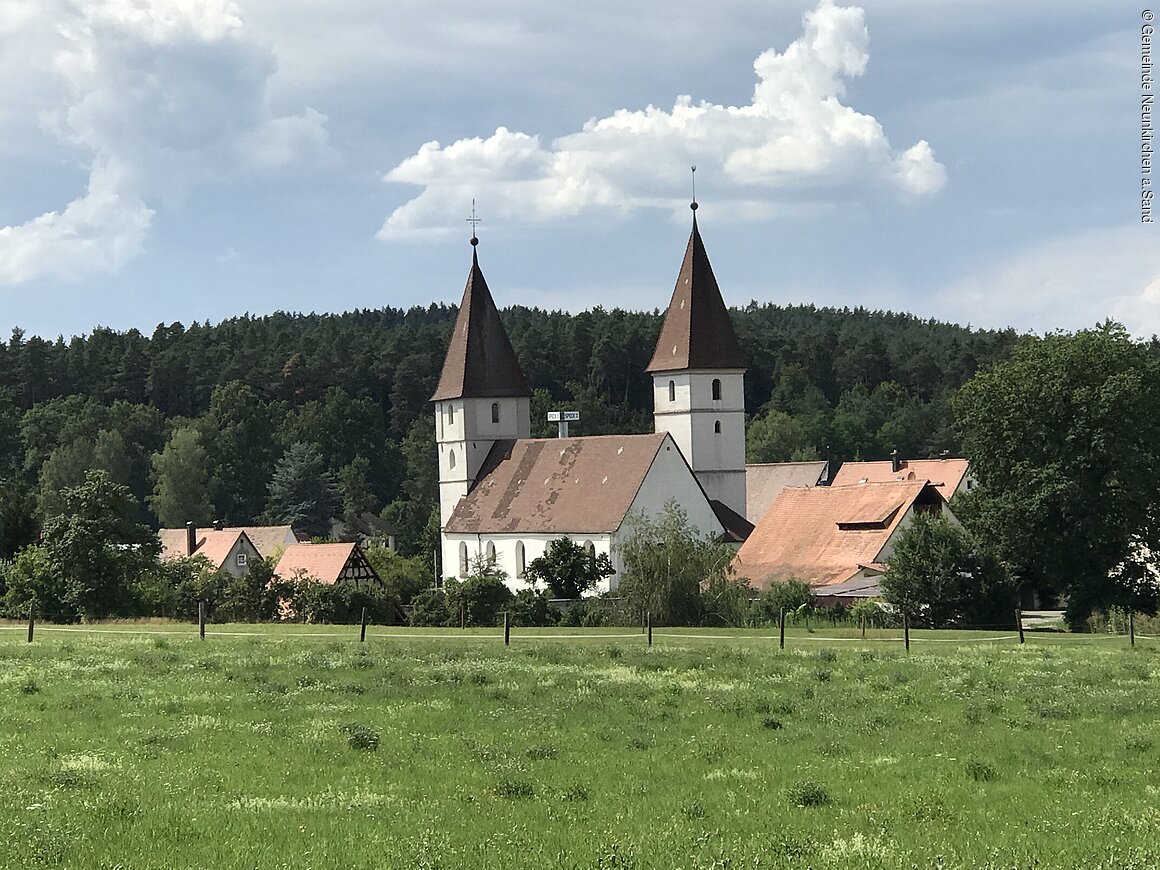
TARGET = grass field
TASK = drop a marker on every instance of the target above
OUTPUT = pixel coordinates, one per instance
(296, 747)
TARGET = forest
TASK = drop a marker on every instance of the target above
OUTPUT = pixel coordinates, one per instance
(233, 420)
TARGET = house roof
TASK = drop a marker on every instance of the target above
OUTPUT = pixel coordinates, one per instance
(736, 527)
(697, 332)
(826, 534)
(556, 485)
(214, 544)
(324, 562)
(944, 474)
(763, 481)
(266, 539)
(480, 360)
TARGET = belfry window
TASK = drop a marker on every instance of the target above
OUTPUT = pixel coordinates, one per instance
(451, 459)
(672, 391)
(716, 427)
(716, 389)
(495, 412)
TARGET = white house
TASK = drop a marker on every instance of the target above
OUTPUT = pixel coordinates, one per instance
(504, 495)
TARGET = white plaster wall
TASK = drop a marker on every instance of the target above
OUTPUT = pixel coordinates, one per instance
(669, 479)
(505, 552)
(231, 565)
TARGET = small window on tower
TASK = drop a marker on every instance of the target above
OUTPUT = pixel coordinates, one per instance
(716, 427)
(672, 391)
(716, 389)
(495, 412)
(451, 459)
(450, 415)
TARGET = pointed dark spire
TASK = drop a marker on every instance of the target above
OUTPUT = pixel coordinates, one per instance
(697, 332)
(480, 361)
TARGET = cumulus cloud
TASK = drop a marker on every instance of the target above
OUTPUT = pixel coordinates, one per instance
(157, 96)
(795, 140)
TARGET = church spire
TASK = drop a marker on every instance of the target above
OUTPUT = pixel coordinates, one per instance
(480, 360)
(697, 332)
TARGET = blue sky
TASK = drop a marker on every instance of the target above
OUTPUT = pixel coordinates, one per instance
(179, 160)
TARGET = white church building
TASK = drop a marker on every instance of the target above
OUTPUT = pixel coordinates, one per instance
(504, 495)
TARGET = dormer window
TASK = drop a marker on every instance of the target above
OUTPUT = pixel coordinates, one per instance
(716, 389)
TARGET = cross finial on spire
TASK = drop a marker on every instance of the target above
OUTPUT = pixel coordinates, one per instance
(474, 221)
(693, 171)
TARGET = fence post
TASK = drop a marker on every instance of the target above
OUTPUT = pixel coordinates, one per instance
(643, 622)
(863, 628)
(906, 630)
(507, 631)
(1019, 622)
(648, 625)
(1131, 628)
(462, 618)
(781, 630)
(201, 618)
(31, 620)
(362, 631)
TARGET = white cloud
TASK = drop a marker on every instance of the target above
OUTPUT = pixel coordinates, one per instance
(158, 96)
(796, 141)
(1070, 281)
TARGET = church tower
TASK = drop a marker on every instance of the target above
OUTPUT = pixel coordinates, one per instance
(698, 374)
(482, 395)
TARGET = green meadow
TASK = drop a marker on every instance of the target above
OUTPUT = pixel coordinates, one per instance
(295, 747)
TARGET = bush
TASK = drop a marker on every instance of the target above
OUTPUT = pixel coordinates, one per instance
(361, 737)
(341, 603)
(531, 609)
(792, 596)
(568, 569)
(807, 794)
(429, 608)
(481, 595)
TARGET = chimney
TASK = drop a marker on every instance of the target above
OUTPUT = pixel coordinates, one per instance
(218, 525)
(190, 538)
(895, 462)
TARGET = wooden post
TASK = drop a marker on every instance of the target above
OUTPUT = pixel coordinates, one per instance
(863, 628)
(906, 631)
(648, 623)
(31, 620)
(462, 618)
(643, 622)
(362, 631)
(781, 630)
(507, 631)
(1019, 623)
(201, 619)
(1131, 627)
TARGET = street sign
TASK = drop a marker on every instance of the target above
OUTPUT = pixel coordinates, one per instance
(563, 416)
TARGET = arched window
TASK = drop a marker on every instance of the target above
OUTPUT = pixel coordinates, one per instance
(589, 549)
(672, 391)
(521, 564)
(451, 459)
(491, 552)
(495, 412)
(716, 427)
(716, 389)
(463, 560)
(450, 414)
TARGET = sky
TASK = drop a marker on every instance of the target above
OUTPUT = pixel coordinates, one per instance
(195, 160)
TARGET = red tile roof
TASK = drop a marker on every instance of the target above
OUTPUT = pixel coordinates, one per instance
(323, 562)
(697, 332)
(764, 480)
(480, 360)
(213, 544)
(266, 539)
(826, 534)
(556, 485)
(944, 474)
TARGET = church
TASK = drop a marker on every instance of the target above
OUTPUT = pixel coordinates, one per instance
(504, 495)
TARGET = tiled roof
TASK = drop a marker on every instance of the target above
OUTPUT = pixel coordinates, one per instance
(323, 562)
(944, 474)
(213, 544)
(697, 332)
(266, 539)
(480, 360)
(556, 485)
(737, 528)
(826, 534)
(763, 481)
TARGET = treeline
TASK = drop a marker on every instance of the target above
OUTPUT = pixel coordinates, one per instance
(304, 416)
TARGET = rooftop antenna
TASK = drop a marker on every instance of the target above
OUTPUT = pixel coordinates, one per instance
(693, 172)
(474, 220)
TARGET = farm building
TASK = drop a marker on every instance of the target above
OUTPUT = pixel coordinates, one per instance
(949, 476)
(228, 549)
(327, 563)
(835, 538)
